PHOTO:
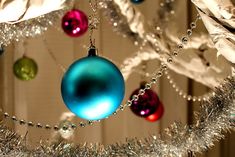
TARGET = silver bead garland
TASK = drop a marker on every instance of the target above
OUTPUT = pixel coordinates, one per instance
(184, 94)
(156, 75)
(29, 28)
(211, 121)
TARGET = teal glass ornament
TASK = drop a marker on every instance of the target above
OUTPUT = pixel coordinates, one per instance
(93, 87)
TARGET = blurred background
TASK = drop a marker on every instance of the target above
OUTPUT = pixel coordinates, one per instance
(39, 100)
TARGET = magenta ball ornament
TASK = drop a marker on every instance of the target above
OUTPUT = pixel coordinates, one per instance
(146, 104)
(75, 23)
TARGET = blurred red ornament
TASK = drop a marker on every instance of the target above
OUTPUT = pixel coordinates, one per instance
(147, 103)
(157, 115)
(75, 23)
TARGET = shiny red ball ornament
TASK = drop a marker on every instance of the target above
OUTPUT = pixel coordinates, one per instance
(147, 103)
(157, 115)
(75, 23)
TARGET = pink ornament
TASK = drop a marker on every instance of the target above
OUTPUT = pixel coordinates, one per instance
(147, 103)
(75, 23)
(157, 115)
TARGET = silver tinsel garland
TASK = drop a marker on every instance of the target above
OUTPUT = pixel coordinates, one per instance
(213, 119)
(28, 28)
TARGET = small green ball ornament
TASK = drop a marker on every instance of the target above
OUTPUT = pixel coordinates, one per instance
(25, 69)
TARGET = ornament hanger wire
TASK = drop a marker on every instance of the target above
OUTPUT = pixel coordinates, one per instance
(93, 21)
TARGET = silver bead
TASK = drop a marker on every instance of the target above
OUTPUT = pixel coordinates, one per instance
(199, 99)
(184, 40)
(56, 128)
(180, 46)
(141, 91)
(175, 53)
(135, 97)
(90, 122)
(22, 122)
(153, 80)
(189, 32)
(82, 124)
(189, 97)
(159, 74)
(14, 118)
(128, 103)
(6, 115)
(193, 25)
(147, 86)
(163, 66)
(30, 124)
(39, 125)
(121, 107)
(170, 60)
(177, 89)
(65, 128)
(73, 126)
(47, 127)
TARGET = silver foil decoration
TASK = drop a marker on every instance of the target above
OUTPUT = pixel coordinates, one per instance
(213, 119)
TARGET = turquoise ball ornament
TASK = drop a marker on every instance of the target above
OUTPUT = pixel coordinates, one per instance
(93, 88)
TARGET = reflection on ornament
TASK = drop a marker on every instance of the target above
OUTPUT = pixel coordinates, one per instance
(75, 23)
(157, 115)
(1, 49)
(137, 1)
(25, 69)
(147, 103)
(93, 88)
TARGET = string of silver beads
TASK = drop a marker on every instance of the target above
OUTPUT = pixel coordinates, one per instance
(183, 94)
(154, 79)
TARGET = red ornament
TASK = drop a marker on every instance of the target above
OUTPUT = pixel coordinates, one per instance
(147, 103)
(157, 115)
(75, 23)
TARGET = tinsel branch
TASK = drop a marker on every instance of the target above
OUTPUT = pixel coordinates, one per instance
(200, 64)
(34, 26)
(213, 119)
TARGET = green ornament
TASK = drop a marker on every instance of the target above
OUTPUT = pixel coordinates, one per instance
(25, 69)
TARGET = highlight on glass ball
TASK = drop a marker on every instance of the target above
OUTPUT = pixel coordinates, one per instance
(147, 103)
(25, 69)
(75, 23)
(93, 88)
